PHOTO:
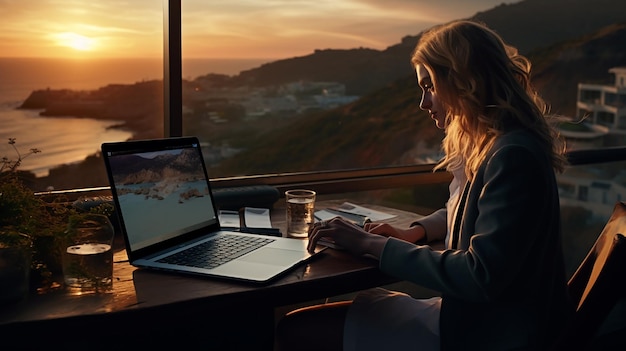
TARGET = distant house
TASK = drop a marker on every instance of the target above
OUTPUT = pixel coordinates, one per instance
(605, 105)
(594, 189)
(597, 188)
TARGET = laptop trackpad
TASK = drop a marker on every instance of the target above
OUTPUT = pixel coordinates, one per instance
(273, 256)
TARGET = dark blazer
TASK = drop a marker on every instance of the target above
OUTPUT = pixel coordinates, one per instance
(503, 283)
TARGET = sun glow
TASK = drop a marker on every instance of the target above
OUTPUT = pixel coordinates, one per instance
(75, 41)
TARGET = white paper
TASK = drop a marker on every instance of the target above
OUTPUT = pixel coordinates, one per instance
(363, 211)
(257, 217)
(323, 215)
(229, 219)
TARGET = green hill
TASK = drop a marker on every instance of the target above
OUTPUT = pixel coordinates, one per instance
(528, 25)
(559, 68)
(383, 126)
(387, 127)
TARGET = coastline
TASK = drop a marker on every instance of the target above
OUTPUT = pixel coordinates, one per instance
(134, 109)
(128, 94)
(139, 106)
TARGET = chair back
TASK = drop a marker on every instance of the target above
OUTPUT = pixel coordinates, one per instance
(595, 287)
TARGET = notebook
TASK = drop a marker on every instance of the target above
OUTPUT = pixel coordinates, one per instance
(169, 219)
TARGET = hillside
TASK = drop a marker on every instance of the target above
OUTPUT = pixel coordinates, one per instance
(528, 24)
(559, 69)
(361, 70)
(532, 24)
(388, 125)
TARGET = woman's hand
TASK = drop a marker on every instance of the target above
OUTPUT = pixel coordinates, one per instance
(348, 236)
(413, 234)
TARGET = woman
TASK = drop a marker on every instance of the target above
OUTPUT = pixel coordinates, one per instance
(501, 277)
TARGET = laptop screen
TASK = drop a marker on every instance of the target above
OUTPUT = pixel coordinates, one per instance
(161, 189)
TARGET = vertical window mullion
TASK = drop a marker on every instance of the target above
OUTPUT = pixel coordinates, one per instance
(172, 69)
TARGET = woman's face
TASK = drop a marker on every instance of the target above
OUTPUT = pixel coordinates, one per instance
(430, 102)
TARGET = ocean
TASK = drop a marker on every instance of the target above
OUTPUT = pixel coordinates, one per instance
(64, 140)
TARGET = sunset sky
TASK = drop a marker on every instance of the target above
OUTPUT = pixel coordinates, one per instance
(217, 29)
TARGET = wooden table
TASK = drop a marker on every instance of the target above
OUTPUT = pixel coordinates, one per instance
(150, 308)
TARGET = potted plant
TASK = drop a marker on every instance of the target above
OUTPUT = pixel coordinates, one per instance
(30, 227)
(15, 242)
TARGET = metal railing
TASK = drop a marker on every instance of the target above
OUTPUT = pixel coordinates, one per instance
(355, 180)
(595, 156)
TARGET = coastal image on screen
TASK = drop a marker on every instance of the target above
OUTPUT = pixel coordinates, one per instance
(161, 194)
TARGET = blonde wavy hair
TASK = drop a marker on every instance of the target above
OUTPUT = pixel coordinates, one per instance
(485, 86)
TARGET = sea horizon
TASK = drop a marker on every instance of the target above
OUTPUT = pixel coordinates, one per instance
(21, 76)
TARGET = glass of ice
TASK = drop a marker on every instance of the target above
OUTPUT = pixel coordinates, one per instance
(300, 212)
(88, 254)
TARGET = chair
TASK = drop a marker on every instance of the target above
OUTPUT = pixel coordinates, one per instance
(597, 285)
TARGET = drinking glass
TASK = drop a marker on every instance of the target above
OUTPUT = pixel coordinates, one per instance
(88, 255)
(300, 212)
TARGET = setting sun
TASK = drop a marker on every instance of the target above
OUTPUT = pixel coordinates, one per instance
(231, 29)
(75, 41)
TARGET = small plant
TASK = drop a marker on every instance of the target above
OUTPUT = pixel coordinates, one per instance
(9, 165)
(36, 223)
(19, 208)
(27, 220)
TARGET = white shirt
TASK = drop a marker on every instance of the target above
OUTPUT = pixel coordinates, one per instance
(457, 184)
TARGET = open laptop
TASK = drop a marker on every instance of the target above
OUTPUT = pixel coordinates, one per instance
(168, 216)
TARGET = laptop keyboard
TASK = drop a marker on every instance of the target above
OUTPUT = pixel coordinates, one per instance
(218, 251)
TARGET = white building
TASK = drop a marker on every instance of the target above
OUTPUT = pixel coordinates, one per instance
(605, 105)
(583, 135)
(593, 189)
(597, 187)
